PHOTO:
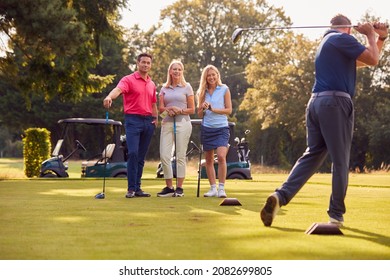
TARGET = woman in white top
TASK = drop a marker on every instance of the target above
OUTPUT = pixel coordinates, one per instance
(176, 101)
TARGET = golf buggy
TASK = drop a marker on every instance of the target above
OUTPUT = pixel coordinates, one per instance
(237, 158)
(112, 159)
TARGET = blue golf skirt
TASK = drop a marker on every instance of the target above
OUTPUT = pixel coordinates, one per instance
(212, 138)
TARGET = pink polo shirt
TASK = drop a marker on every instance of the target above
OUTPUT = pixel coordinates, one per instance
(138, 94)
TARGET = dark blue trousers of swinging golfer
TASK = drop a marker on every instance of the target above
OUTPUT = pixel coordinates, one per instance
(329, 126)
(139, 132)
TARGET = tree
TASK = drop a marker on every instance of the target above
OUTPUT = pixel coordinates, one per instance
(55, 44)
(282, 75)
(372, 116)
(104, 49)
(370, 149)
(46, 113)
(200, 34)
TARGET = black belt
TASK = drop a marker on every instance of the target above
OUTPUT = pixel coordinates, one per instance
(141, 116)
(331, 93)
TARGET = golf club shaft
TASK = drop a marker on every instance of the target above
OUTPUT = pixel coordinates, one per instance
(299, 27)
(105, 155)
(199, 170)
(237, 33)
(174, 140)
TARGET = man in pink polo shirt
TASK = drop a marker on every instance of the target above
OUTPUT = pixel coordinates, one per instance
(140, 109)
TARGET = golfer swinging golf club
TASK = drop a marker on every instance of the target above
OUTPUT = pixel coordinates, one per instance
(330, 114)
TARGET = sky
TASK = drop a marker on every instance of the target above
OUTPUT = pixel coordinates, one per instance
(302, 12)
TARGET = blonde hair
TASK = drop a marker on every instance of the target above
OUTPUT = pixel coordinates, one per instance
(201, 92)
(182, 82)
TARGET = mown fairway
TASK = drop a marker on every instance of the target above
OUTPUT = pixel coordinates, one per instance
(60, 219)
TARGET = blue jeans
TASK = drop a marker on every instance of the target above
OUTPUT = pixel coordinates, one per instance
(329, 121)
(139, 132)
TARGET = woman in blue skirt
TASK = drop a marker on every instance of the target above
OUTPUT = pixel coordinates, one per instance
(214, 105)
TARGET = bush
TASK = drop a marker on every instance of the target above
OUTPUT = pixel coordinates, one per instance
(36, 148)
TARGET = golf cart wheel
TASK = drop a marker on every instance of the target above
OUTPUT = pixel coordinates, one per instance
(236, 176)
(49, 175)
(120, 175)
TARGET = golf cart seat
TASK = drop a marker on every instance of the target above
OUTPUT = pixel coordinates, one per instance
(100, 158)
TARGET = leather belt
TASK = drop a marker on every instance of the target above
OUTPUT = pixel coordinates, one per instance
(141, 116)
(331, 93)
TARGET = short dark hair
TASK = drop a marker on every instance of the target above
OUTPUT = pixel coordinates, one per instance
(340, 19)
(144, 54)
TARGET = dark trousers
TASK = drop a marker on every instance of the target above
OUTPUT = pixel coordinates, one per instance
(139, 132)
(329, 126)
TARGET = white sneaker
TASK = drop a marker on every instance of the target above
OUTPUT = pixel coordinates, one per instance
(222, 193)
(335, 222)
(211, 192)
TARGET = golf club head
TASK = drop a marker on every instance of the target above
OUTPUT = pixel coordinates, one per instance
(100, 196)
(196, 147)
(236, 35)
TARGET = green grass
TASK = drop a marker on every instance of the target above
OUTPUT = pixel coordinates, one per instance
(11, 168)
(46, 219)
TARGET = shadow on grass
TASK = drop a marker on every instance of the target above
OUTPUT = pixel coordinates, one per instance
(288, 229)
(369, 236)
(356, 234)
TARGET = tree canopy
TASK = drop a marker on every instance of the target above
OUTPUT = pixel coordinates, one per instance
(200, 34)
(55, 46)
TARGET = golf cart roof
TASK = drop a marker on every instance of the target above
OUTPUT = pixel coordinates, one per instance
(90, 121)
